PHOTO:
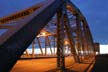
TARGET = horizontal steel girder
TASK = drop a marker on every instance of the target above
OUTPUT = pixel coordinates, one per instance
(12, 48)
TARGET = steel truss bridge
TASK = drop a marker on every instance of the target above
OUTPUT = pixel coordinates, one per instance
(55, 24)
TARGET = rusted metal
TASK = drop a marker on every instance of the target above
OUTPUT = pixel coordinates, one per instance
(60, 40)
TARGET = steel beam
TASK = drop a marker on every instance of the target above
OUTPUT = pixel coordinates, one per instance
(49, 44)
(71, 37)
(33, 49)
(79, 35)
(39, 45)
(21, 14)
(54, 44)
(75, 11)
(45, 46)
(27, 53)
(13, 46)
(5, 27)
(89, 39)
(60, 40)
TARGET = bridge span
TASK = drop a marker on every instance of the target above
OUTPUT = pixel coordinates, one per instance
(55, 24)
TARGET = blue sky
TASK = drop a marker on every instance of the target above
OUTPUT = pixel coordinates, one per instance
(95, 11)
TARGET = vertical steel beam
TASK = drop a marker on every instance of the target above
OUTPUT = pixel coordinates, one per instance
(33, 48)
(39, 45)
(13, 46)
(54, 44)
(49, 44)
(89, 40)
(69, 33)
(27, 53)
(60, 41)
(85, 41)
(45, 46)
(91, 43)
(70, 36)
(79, 35)
(75, 10)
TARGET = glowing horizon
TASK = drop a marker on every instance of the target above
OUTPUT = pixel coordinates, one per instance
(104, 49)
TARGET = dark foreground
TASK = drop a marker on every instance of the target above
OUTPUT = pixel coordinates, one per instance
(101, 64)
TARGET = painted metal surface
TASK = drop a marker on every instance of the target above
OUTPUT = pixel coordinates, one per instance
(26, 28)
(15, 43)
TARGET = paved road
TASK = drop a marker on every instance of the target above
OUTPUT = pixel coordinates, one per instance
(101, 64)
(48, 65)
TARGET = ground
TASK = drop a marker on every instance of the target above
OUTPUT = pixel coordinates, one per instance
(49, 65)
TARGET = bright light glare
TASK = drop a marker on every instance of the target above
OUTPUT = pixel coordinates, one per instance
(44, 34)
(66, 42)
(103, 49)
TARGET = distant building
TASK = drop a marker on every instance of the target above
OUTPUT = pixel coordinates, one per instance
(97, 48)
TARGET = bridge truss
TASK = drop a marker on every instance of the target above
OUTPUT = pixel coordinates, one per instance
(55, 24)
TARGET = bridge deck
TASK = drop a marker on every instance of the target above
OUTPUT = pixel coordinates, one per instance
(49, 65)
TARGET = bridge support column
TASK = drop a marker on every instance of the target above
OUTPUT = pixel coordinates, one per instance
(39, 45)
(79, 38)
(60, 41)
(33, 49)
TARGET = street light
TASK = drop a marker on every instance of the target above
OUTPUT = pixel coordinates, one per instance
(66, 42)
(43, 33)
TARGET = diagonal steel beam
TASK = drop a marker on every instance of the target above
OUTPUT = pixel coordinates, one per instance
(5, 27)
(21, 14)
(13, 46)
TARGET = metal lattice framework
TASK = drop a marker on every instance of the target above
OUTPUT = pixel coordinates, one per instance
(65, 27)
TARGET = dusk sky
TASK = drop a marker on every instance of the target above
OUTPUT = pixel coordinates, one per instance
(95, 11)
